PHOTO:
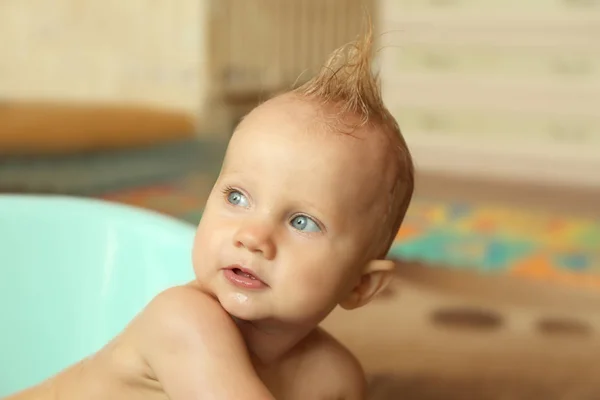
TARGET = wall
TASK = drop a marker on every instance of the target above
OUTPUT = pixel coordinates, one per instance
(135, 51)
(497, 87)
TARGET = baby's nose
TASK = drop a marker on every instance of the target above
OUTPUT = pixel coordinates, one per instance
(256, 238)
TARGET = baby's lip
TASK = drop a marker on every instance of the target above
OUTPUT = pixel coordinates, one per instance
(247, 271)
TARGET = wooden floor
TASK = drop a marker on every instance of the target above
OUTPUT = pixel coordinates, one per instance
(444, 334)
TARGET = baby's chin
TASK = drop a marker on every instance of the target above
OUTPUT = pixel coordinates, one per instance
(254, 307)
(240, 306)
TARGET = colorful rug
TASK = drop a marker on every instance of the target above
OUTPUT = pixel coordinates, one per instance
(495, 239)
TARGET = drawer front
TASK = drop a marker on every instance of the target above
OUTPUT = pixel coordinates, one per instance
(497, 126)
(400, 7)
(498, 61)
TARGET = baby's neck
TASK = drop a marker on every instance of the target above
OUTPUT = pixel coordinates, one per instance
(270, 342)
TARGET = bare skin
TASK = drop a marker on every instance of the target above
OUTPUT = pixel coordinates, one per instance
(180, 346)
(286, 236)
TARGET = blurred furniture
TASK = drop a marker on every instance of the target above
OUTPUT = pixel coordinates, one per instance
(260, 48)
(497, 88)
(38, 128)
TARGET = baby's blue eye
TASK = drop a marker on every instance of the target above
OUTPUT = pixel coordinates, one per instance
(305, 224)
(236, 198)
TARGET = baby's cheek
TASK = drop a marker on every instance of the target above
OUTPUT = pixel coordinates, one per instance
(203, 248)
(315, 280)
(208, 233)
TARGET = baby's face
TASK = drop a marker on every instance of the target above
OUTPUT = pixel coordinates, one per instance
(292, 216)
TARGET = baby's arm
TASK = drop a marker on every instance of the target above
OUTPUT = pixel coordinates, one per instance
(196, 350)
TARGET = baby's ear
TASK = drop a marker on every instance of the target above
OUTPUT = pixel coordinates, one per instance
(374, 279)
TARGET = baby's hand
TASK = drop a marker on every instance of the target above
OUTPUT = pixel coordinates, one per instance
(195, 349)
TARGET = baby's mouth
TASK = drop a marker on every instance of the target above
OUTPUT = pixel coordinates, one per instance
(239, 272)
(244, 277)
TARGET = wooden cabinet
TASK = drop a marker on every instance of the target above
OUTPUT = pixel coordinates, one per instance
(512, 86)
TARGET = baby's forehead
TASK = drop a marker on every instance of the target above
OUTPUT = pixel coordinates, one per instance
(293, 119)
(290, 111)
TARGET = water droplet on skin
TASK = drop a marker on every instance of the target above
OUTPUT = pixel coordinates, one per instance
(240, 298)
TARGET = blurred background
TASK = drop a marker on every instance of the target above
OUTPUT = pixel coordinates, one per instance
(498, 289)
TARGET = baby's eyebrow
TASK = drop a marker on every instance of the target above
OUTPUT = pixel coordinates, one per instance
(235, 174)
(307, 205)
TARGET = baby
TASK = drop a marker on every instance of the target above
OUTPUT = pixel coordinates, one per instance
(313, 188)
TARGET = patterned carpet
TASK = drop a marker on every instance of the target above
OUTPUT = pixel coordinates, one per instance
(495, 239)
(176, 180)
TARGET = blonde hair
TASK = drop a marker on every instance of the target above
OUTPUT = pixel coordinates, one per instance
(347, 81)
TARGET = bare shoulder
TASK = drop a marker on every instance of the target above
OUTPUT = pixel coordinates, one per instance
(193, 348)
(183, 317)
(184, 301)
(183, 310)
(335, 370)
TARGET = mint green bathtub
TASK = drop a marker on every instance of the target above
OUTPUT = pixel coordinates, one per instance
(73, 272)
